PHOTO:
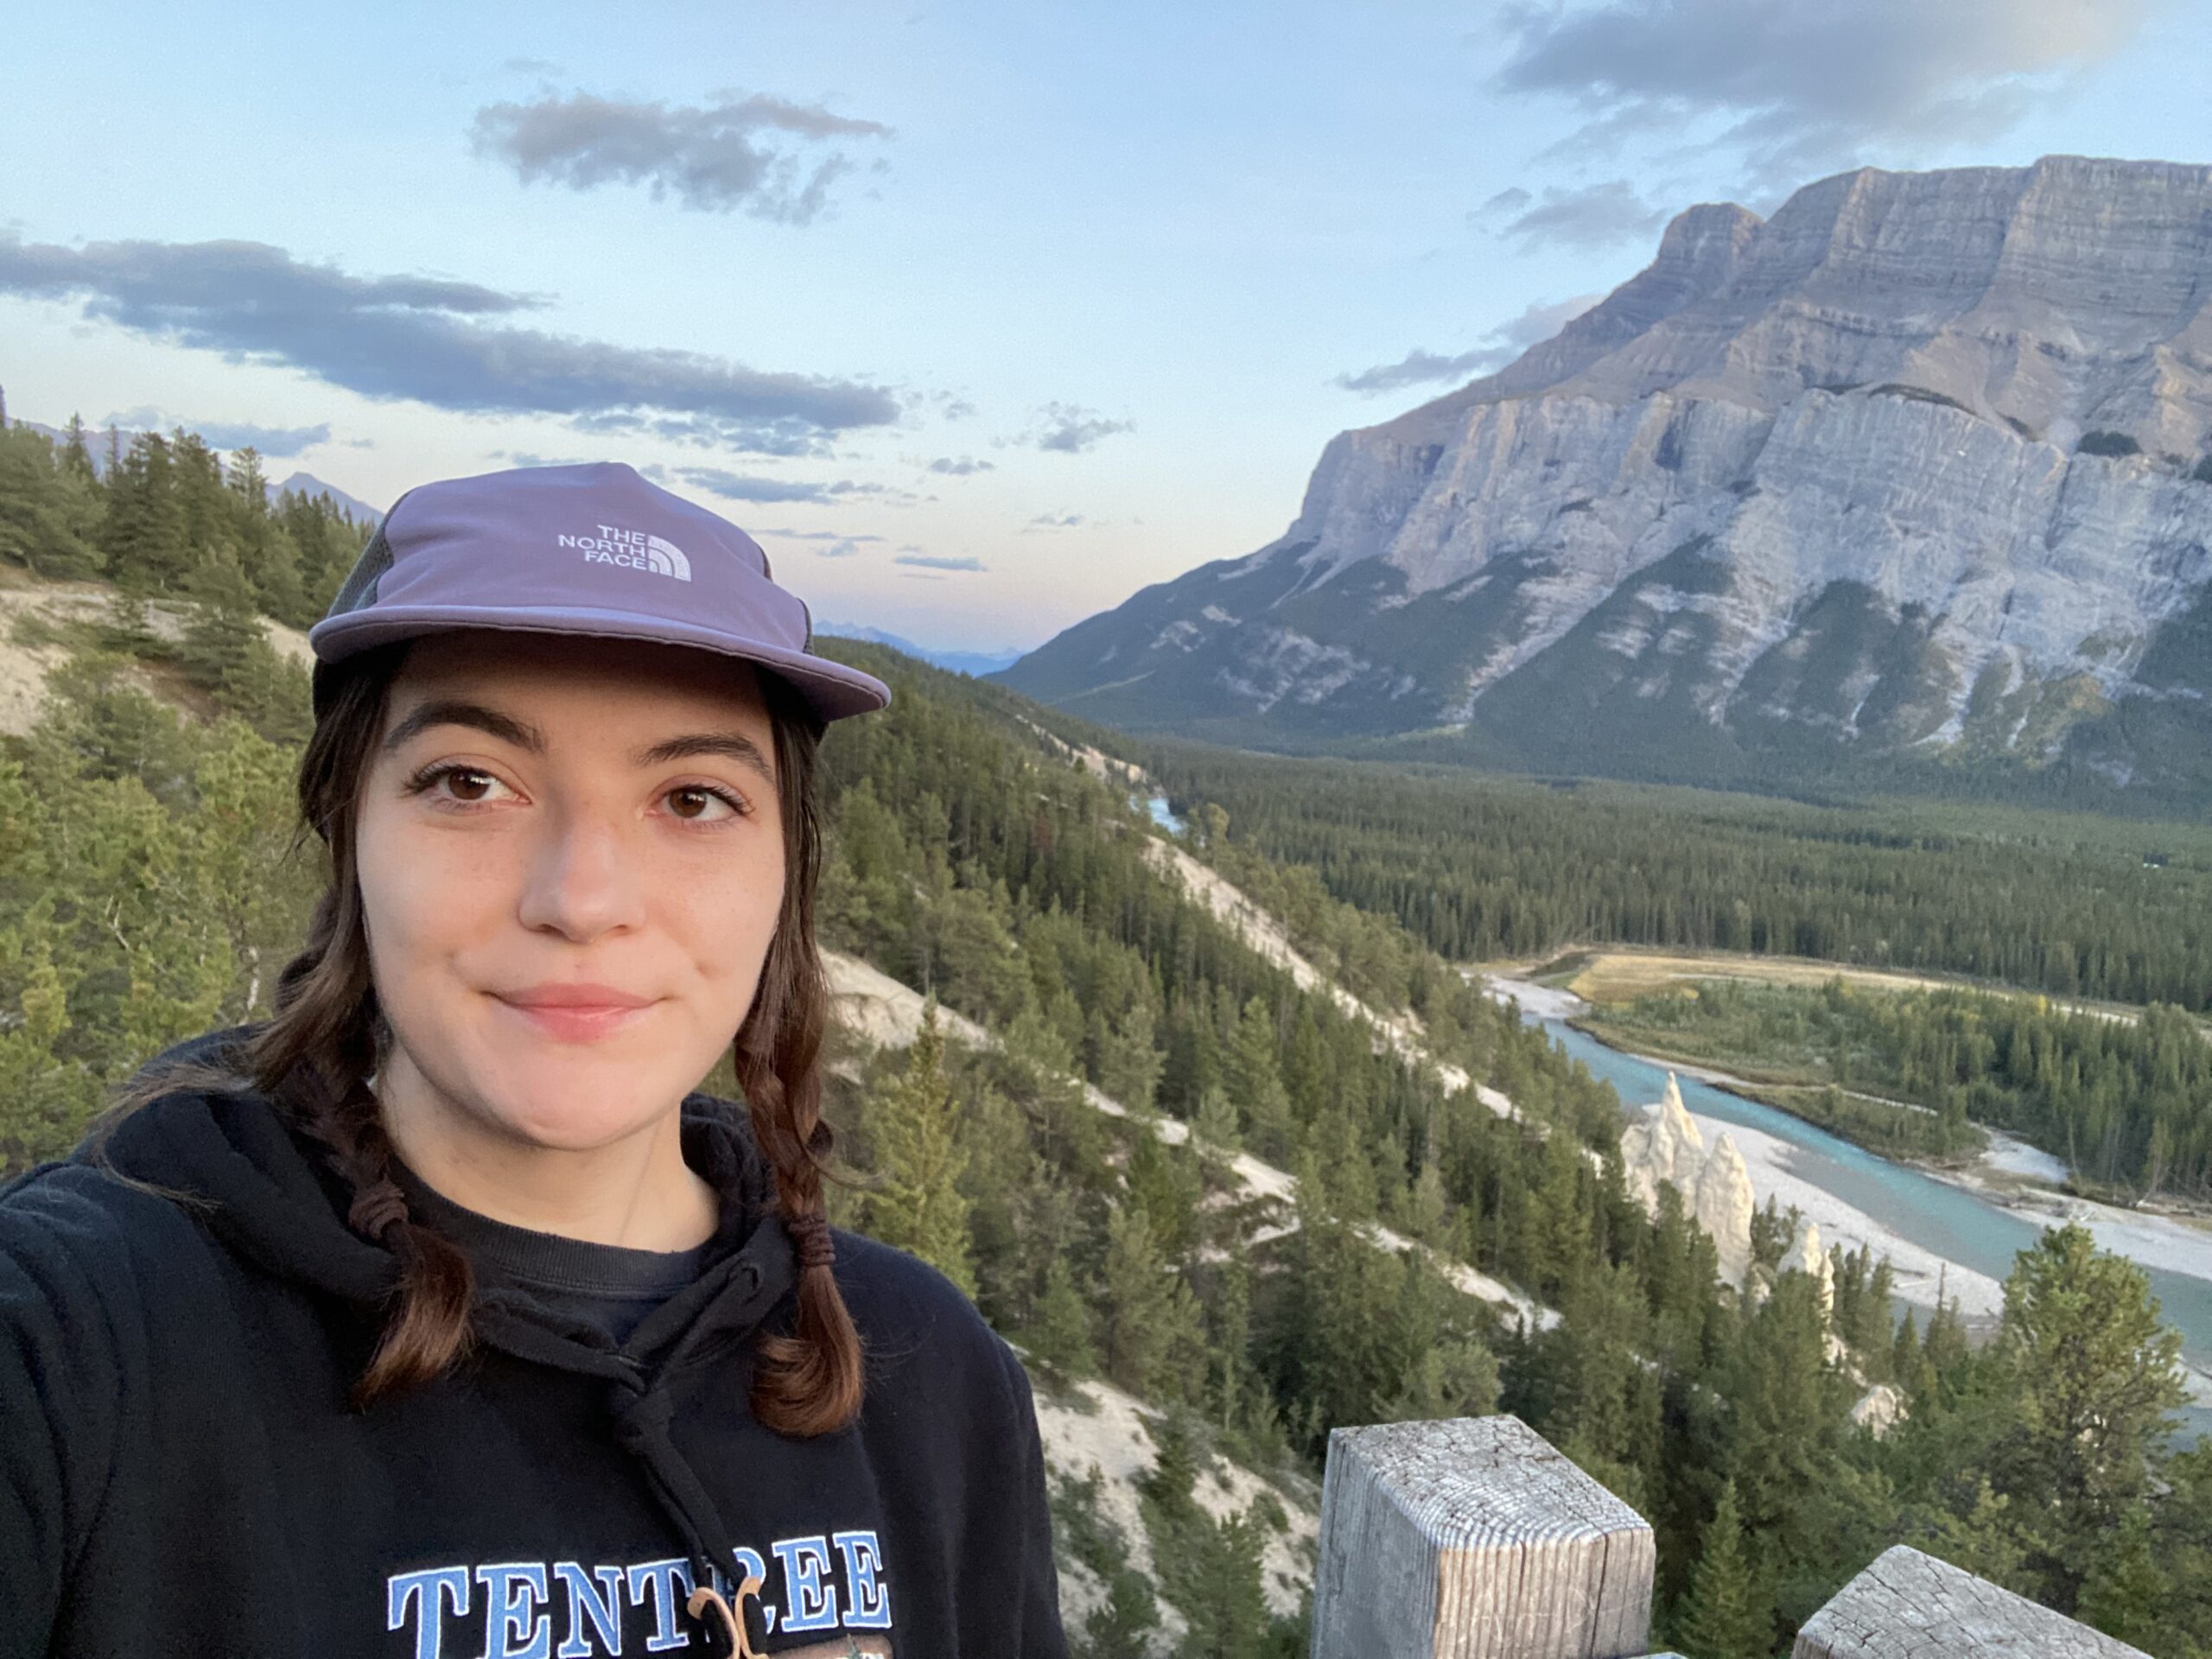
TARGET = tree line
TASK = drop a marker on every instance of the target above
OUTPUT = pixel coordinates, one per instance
(1480, 868)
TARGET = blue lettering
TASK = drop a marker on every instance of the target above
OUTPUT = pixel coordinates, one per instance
(810, 1604)
(601, 1605)
(431, 1593)
(513, 1626)
(868, 1603)
(670, 1585)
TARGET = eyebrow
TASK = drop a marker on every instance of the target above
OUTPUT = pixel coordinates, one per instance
(454, 711)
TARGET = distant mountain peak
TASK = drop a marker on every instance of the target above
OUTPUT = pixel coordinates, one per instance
(1920, 465)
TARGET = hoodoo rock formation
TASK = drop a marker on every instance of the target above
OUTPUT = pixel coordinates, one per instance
(1920, 466)
(1664, 1147)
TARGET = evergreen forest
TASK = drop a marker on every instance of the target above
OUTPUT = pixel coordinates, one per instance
(1484, 867)
(149, 889)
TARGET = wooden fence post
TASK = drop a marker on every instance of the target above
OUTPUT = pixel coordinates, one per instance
(1909, 1604)
(1473, 1539)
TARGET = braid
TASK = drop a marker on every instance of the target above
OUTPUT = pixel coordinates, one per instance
(314, 1059)
(808, 1382)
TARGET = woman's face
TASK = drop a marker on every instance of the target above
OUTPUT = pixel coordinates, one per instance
(571, 863)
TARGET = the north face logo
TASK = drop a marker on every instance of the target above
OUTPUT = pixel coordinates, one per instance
(632, 550)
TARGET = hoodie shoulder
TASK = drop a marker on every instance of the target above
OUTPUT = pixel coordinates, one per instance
(912, 1318)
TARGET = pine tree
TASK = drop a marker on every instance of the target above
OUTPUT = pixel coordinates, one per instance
(913, 1125)
(2124, 1590)
(2095, 1375)
(1254, 1081)
(1722, 1617)
(1060, 1337)
(1152, 1322)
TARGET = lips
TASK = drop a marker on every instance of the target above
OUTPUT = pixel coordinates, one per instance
(574, 1012)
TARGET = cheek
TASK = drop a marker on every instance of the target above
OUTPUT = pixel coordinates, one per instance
(421, 895)
(726, 924)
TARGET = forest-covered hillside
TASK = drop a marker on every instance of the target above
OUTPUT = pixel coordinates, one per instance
(144, 894)
(1481, 867)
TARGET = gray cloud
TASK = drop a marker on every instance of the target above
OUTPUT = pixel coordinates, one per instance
(1052, 521)
(960, 468)
(1503, 344)
(275, 441)
(738, 486)
(1506, 203)
(530, 67)
(1070, 429)
(420, 338)
(841, 549)
(1805, 83)
(939, 562)
(727, 156)
(1594, 216)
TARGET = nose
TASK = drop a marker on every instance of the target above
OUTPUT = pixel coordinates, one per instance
(579, 884)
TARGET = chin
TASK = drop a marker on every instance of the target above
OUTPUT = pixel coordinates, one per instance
(571, 1101)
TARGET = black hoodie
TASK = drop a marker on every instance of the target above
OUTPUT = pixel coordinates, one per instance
(179, 1472)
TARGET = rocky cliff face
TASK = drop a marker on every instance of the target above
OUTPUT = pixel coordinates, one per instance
(1922, 465)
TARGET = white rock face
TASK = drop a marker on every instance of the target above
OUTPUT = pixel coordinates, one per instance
(1665, 1146)
(1825, 470)
(1880, 1409)
(1806, 1256)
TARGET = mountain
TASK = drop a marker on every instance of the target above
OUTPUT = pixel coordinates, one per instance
(975, 663)
(309, 485)
(1916, 471)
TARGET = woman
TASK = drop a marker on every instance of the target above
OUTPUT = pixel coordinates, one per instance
(438, 1315)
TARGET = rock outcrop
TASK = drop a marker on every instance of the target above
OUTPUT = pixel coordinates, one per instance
(1664, 1147)
(1806, 1256)
(1922, 465)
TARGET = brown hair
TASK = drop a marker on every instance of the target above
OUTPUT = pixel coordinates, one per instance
(314, 1056)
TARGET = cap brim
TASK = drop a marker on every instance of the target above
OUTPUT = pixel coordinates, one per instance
(831, 690)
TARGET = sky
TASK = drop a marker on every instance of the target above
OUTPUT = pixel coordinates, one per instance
(980, 318)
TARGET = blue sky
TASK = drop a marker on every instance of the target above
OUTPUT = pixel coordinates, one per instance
(981, 317)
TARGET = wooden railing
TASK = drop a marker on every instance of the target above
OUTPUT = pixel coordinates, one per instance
(1474, 1539)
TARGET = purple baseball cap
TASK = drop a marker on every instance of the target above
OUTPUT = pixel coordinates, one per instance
(588, 550)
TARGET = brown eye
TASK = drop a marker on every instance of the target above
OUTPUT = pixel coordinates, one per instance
(697, 803)
(466, 785)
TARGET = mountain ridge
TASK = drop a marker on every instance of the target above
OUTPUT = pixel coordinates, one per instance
(1918, 470)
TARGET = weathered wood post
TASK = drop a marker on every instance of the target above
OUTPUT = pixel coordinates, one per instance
(1908, 1604)
(1473, 1539)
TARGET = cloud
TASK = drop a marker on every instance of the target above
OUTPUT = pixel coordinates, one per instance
(1070, 429)
(841, 549)
(1506, 203)
(722, 157)
(530, 67)
(1595, 216)
(1502, 345)
(939, 562)
(1801, 84)
(429, 339)
(962, 467)
(738, 486)
(274, 442)
(816, 535)
(1052, 521)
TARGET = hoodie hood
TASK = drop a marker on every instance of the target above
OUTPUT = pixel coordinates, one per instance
(266, 1191)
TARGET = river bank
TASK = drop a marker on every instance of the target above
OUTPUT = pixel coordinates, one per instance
(1949, 1235)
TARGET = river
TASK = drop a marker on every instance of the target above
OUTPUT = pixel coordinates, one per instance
(1945, 1221)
